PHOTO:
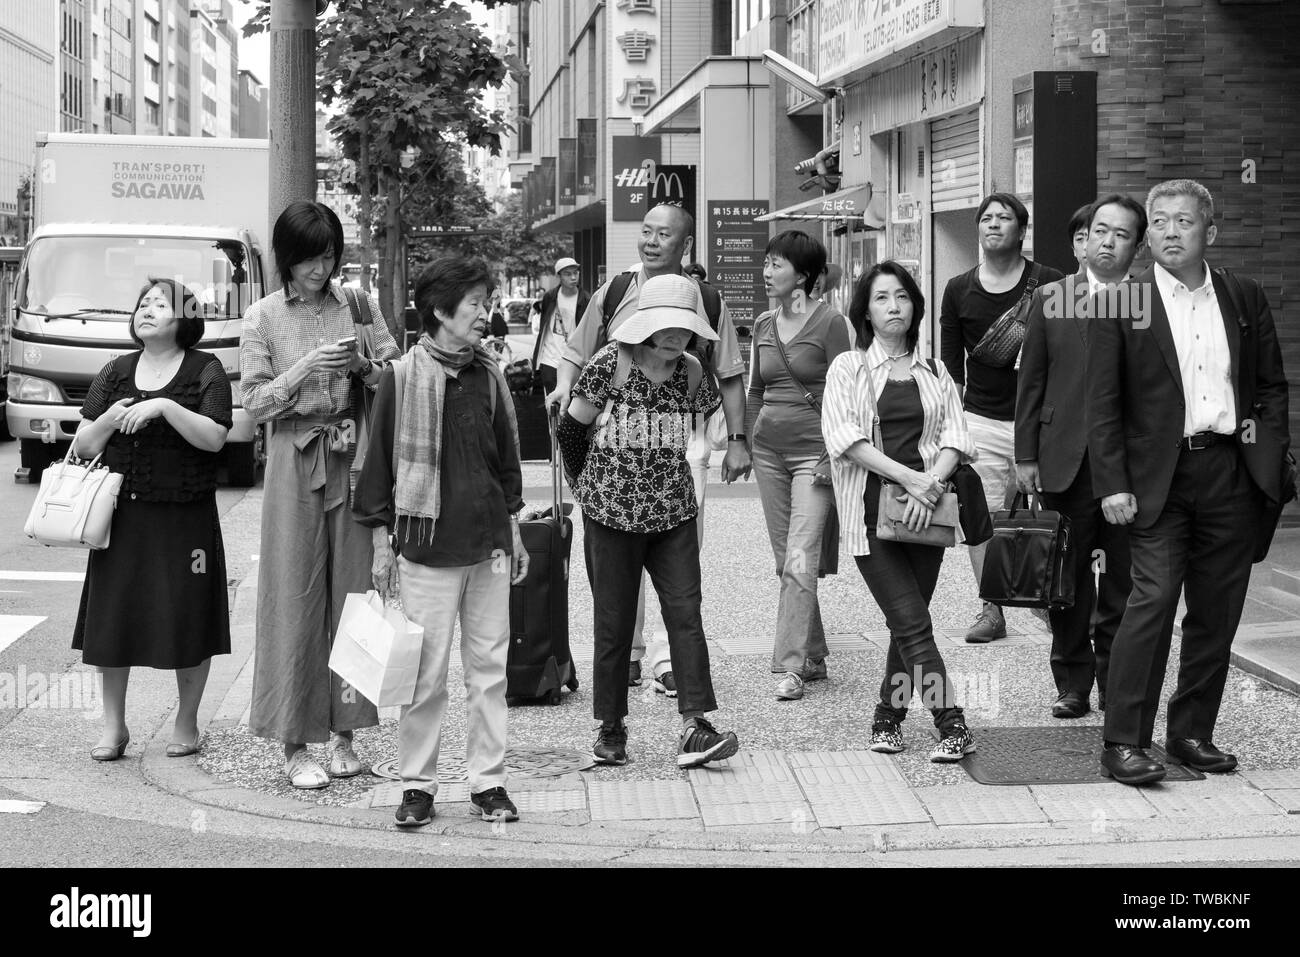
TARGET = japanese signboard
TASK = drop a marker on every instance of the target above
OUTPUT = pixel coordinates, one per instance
(852, 34)
(567, 170)
(630, 179)
(588, 150)
(545, 183)
(633, 57)
(735, 255)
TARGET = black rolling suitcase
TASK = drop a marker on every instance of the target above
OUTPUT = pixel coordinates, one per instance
(539, 665)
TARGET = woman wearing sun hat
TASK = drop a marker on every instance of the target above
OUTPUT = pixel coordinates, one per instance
(631, 477)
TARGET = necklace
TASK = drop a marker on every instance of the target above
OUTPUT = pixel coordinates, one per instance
(157, 373)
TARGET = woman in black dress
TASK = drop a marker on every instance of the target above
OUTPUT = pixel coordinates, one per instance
(156, 597)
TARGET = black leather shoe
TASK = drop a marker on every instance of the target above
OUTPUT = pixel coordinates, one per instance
(1130, 765)
(1070, 704)
(1200, 754)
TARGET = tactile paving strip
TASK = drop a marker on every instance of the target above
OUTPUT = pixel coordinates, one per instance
(796, 815)
(849, 805)
(770, 792)
(1279, 778)
(716, 776)
(836, 759)
(540, 802)
(641, 800)
(963, 804)
(1059, 754)
(753, 759)
(1085, 802)
(1209, 802)
(849, 774)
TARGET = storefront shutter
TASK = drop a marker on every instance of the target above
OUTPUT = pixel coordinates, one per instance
(955, 161)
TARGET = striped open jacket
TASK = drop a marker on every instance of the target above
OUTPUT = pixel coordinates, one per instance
(853, 385)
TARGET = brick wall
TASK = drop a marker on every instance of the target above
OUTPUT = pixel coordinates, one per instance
(1193, 88)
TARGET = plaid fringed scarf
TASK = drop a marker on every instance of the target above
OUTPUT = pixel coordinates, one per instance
(418, 483)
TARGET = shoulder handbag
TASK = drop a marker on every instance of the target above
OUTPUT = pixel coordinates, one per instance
(829, 563)
(1000, 344)
(891, 526)
(74, 508)
(1029, 561)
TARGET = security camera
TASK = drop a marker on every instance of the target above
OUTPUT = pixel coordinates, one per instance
(795, 75)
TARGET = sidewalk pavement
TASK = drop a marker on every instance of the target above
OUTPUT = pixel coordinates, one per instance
(804, 781)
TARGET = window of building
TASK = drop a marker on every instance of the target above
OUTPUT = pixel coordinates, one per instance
(152, 70)
(152, 115)
(209, 71)
(152, 29)
(209, 105)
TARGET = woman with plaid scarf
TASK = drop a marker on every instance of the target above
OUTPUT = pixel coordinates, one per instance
(442, 480)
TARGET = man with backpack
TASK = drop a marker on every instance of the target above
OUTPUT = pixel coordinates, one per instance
(664, 241)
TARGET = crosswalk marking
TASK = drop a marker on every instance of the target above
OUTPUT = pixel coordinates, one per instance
(20, 807)
(29, 576)
(13, 627)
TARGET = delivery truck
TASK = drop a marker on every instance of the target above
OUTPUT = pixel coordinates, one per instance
(109, 213)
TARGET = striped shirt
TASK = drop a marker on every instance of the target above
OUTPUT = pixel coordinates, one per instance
(280, 329)
(853, 386)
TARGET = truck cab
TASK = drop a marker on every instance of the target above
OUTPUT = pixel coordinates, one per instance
(72, 306)
(10, 257)
(109, 213)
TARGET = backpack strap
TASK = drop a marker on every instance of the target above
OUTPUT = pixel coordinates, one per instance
(614, 296)
(712, 302)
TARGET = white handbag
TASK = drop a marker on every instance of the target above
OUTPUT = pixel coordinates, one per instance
(74, 507)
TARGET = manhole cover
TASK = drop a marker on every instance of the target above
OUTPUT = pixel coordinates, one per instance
(1051, 755)
(524, 761)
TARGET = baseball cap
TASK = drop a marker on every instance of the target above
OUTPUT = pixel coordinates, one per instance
(565, 263)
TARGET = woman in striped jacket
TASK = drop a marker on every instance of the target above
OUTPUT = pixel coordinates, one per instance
(890, 413)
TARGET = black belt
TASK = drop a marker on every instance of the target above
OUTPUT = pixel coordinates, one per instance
(1203, 440)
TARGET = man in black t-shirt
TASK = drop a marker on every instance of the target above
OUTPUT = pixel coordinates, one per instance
(971, 302)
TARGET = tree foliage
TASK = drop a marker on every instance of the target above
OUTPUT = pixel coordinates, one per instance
(405, 78)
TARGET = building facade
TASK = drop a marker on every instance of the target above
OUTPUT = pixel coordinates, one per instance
(254, 107)
(30, 64)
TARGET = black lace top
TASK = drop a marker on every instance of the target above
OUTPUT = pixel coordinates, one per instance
(158, 464)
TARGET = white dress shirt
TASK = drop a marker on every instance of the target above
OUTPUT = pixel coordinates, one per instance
(854, 382)
(1204, 361)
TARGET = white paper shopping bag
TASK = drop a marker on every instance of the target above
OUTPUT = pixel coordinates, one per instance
(377, 651)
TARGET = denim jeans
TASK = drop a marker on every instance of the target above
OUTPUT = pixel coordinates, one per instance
(995, 441)
(796, 511)
(615, 561)
(901, 577)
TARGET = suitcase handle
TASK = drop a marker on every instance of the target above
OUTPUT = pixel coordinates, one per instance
(557, 483)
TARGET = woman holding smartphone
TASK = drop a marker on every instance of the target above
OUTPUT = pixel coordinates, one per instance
(303, 374)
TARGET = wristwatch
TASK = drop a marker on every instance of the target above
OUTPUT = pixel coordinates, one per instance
(736, 437)
(366, 368)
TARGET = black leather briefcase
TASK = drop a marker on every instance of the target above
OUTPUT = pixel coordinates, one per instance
(1029, 561)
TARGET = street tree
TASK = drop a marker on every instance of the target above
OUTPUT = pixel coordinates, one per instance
(405, 78)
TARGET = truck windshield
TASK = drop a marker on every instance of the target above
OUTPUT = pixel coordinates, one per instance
(101, 276)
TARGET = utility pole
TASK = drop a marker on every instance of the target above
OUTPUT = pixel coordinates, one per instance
(293, 108)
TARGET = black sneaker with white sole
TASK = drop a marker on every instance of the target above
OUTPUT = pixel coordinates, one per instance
(954, 745)
(700, 743)
(666, 684)
(416, 809)
(611, 743)
(495, 805)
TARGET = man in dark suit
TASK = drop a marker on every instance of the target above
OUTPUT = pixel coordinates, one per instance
(1187, 406)
(1052, 449)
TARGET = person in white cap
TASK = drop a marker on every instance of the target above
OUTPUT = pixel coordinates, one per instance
(631, 477)
(560, 309)
(665, 240)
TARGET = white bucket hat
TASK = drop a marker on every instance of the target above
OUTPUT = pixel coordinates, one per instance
(665, 302)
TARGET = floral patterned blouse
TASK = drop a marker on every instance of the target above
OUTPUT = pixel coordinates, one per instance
(636, 478)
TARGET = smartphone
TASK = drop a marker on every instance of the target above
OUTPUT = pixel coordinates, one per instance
(348, 342)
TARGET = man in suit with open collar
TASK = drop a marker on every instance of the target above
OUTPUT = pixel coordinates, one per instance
(1052, 449)
(1187, 406)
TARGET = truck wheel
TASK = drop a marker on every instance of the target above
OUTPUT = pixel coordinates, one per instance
(33, 456)
(241, 464)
